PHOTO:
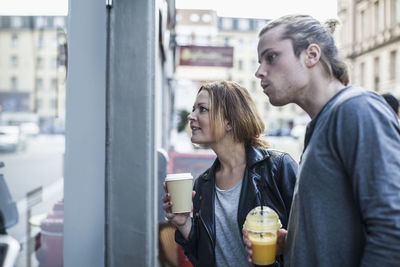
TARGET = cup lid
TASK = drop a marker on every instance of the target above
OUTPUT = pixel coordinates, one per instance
(178, 176)
(261, 219)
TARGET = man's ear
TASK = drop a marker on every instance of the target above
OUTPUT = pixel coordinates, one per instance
(312, 55)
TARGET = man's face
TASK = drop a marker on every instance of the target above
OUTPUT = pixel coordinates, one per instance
(283, 75)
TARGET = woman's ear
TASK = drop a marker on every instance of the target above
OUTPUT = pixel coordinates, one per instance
(228, 127)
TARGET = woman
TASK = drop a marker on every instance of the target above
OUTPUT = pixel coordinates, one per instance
(245, 175)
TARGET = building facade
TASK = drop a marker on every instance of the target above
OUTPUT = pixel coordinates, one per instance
(242, 35)
(370, 41)
(33, 66)
(205, 28)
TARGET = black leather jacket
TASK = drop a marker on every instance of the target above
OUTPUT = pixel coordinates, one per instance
(270, 172)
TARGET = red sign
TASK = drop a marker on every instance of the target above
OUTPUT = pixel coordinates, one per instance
(216, 56)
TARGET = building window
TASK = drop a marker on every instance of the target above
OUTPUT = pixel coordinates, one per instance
(16, 22)
(253, 86)
(395, 12)
(240, 64)
(376, 17)
(54, 63)
(40, 63)
(267, 106)
(41, 22)
(39, 84)
(14, 83)
(240, 44)
(226, 41)
(227, 23)
(206, 18)
(393, 65)
(376, 74)
(254, 65)
(194, 17)
(53, 103)
(53, 84)
(362, 74)
(244, 24)
(39, 104)
(59, 22)
(14, 61)
(14, 40)
(40, 43)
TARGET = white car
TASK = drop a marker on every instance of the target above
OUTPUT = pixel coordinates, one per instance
(29, 128)
(11, 138)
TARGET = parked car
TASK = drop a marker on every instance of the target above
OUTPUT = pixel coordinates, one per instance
(11, 139)
(29, 128)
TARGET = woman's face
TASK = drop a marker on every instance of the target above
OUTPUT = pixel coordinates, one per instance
(200, 120)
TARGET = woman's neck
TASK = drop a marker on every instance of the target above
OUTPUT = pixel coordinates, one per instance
(232, 158)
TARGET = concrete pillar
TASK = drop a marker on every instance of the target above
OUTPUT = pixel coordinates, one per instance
(111, 160)
(132, 156)
(84, 179)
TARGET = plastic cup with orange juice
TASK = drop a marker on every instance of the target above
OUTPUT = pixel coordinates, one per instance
(262, 224)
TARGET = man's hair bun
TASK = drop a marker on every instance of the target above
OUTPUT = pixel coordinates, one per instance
(330, 25)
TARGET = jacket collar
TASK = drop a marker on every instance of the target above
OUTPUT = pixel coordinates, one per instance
(249, 192)
(255, 155)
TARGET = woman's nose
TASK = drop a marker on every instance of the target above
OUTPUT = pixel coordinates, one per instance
(190, 116)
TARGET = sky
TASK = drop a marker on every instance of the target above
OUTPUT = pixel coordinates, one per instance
(267, 9)
(34, 7)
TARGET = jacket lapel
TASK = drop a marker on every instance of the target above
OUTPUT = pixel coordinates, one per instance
(249, 196)
(207, 199)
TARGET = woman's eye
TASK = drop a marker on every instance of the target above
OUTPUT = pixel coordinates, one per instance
(203, 109)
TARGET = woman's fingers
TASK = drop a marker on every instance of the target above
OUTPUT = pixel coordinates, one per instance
(247, 244)
(165, 187)
(166, 197)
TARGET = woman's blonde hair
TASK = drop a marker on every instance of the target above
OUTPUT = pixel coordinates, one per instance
(231, 103)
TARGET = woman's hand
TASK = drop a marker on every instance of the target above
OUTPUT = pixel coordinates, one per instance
(280, 245)
(182, 221)
(247, 244)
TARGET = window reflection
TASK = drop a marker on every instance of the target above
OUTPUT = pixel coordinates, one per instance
(32, 114)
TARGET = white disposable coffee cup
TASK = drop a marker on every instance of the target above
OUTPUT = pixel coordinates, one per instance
(179, 186)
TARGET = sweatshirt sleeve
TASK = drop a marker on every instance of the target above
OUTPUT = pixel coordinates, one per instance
(368, 145)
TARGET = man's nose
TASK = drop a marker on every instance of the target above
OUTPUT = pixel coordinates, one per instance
(261, 72)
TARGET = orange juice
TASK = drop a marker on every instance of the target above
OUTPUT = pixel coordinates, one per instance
(262, 224)
(264, 248)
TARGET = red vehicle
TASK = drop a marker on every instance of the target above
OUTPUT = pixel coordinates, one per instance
(195, 163)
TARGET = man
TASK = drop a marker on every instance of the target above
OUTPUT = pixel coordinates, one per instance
(346, 205)
(393, 103)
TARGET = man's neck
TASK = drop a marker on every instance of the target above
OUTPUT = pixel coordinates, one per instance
(318, 95)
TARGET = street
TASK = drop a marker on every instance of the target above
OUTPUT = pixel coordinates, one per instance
(40, 166)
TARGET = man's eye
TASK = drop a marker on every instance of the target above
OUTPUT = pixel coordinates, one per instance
(271, 57)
